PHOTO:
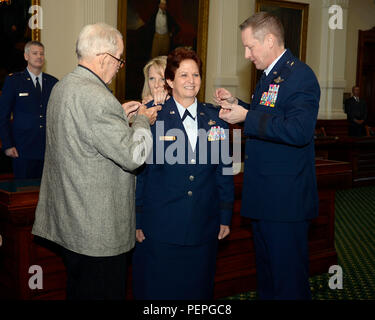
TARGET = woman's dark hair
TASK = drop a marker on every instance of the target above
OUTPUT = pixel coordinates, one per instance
(174, 60)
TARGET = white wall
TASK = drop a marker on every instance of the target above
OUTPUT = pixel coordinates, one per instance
(62, 22)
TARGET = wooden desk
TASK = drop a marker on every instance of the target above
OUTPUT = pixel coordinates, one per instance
(19, 251)
(360, 152)
(235, 264)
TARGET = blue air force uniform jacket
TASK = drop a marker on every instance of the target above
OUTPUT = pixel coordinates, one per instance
(279, 175)
(28, 131)
(184, 203)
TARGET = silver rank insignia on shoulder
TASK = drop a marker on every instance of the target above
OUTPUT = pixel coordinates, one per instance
(278, 79)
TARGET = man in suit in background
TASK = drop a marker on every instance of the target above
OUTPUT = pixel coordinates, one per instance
(87, 195)
(25, 96)
(280, 190)
(163, 29)
(356, 112)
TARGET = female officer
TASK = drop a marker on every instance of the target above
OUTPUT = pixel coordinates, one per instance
(184, 193)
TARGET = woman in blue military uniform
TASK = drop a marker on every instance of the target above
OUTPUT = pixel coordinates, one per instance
(184, 193)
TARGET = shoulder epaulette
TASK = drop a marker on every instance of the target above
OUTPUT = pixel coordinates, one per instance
(291, 63)
(211, 106)
(15, 74)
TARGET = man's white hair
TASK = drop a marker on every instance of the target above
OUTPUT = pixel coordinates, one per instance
(97, 38)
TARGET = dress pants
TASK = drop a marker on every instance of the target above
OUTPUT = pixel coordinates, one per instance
(282, 260)
(95, 278)
(160, 45)
(164, 271)
(27, 168)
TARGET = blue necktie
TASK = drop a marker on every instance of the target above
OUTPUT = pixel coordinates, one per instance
(187, 113)
(262, 79)
(38, 88)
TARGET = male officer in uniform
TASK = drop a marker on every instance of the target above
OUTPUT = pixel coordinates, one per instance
(280, 191)
(25, 95)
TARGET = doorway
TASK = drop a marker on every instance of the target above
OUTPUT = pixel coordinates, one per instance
(366, 71)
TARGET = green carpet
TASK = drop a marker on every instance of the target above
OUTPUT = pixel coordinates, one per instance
(355, 246)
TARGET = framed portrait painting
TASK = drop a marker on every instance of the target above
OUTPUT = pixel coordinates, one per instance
(294, 17)
(187, 23)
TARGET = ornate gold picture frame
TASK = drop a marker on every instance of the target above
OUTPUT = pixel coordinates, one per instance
(193, 33)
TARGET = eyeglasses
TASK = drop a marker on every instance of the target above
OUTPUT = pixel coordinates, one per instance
(121, 61)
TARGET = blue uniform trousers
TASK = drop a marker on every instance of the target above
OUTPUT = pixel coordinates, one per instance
(27, 168)
(163, 271)
(282, 260)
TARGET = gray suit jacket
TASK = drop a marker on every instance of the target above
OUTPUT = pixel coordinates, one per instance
(87, 194)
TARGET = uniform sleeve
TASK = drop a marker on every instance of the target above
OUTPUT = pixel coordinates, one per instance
(243, 104)
(7, 100)
(225, 183)
(296, 125)
(127, 146)
(139, 195)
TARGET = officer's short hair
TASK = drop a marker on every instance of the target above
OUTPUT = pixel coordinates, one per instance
(97, 38)
(32, 43)
(262, 23)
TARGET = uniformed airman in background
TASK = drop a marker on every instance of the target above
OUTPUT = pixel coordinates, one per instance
(25, 96)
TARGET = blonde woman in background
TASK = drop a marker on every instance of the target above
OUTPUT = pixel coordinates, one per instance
(154, 86)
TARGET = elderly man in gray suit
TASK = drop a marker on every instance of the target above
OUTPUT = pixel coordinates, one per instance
(87, 194)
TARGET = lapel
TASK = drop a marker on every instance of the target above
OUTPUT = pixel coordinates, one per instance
(44, 87)
(274, 73)
(171, 116)
(29, 85)
(202, 118)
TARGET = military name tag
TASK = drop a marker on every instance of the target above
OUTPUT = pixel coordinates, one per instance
(269, 98)
(24, 94)
(167, 138)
